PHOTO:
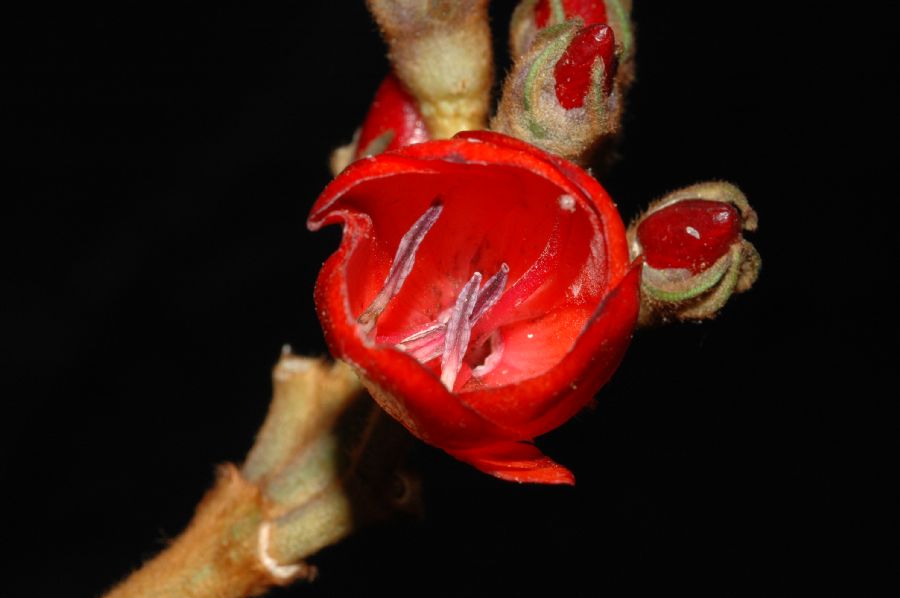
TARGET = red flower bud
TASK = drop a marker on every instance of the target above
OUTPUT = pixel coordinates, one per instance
(531, 16)
(574, 70)
(695, 255)
(482, 290)
(562, 96)
(393, 120)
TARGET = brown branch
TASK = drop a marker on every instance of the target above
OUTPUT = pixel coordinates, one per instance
(323, 464)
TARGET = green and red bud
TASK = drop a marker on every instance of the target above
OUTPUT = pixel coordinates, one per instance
(695, 256)
(393, 121)
(532, 16)
(564, 94)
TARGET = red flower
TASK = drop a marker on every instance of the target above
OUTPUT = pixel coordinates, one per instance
(482, 290)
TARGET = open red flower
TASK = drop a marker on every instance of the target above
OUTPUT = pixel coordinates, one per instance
(482, 290)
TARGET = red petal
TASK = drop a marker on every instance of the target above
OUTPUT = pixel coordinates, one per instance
(533, 407)
(516, 462)
(614, 230)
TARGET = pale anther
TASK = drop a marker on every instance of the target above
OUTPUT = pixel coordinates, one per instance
(459, 330)
(490, 293)
(400, 267)
(426, 344)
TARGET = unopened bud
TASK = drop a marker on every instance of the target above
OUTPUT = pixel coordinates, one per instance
(393, 121)
(695, 256)
(531, 16)
(562, 95)
(574, 71)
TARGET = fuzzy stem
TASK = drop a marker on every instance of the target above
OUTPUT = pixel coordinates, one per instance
(217, 555)
(324, 463)
(441, 50)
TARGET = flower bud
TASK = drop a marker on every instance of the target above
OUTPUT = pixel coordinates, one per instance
(574, 71)
(695, 256)
(531, 16)
(563, 95)
(393, 121)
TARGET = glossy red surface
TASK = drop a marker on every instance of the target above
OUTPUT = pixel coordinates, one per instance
(589, 11)
(573, 70)
(690, 234)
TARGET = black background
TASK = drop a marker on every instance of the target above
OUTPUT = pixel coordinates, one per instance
(155, 260)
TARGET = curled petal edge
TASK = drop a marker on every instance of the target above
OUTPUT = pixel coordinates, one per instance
(515, 462)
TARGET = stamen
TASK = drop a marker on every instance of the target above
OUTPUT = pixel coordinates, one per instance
(541, 270)
(425, 344)
(459, 330)
(400, 267)
(425, 333)
(478, 310)
(490, 292)
(432, 350)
